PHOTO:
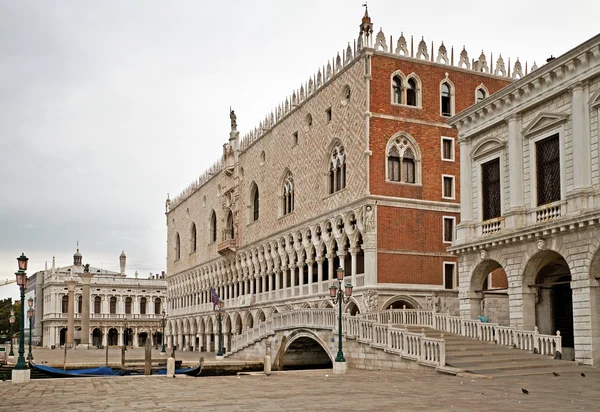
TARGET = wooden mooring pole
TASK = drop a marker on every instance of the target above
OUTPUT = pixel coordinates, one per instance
(148, 358)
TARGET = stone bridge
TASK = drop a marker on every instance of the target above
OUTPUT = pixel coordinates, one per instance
(390, 339)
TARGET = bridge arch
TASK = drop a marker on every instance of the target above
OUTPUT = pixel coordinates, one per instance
(305, 349)
(399, 301)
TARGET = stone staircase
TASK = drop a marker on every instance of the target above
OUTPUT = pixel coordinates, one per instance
(489, 359)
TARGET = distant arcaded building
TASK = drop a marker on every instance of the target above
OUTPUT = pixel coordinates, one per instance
(357, 168)
(121, 307)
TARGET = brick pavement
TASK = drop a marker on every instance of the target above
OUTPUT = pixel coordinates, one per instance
(306, 391)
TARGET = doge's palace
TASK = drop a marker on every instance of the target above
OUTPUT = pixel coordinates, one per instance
(356, 168)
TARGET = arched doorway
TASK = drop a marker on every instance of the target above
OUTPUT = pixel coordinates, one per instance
(113, 337)
(142, 336)
(495, 302)
(304, 351)
(63, 336)
(553, 297)
(96, 337)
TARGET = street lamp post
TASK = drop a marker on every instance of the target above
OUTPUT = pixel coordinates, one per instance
(163, 318)
(220, 311)
(125, 335)
(338, 296)
(30, 313)
(22, 282)
(12, 323)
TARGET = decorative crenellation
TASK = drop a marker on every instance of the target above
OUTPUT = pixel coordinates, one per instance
(197, 184)
(364, 43)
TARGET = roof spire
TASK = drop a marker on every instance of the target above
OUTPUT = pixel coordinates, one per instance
(366, 26)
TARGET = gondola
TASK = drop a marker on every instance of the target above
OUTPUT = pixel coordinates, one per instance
(73, 373)
(195, 371)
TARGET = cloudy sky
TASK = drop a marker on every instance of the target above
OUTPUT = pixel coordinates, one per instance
(107, 106)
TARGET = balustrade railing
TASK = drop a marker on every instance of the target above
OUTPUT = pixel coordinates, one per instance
(384, 330)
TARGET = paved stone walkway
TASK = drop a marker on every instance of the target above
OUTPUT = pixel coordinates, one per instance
(306, 391)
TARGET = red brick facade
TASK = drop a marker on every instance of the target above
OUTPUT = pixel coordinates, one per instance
(407, 253)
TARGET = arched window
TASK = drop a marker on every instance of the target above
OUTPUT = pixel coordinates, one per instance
(97, 304)
(403, 160)
(193, 238)
(288, 193)
(113, 305)
(480, 94)
(157, 308)
(446, 99)
(254, 196)
(411, 92)
(65, 304)
(397, 90)
(394, 165)
(127, 306)
(143, 306)
(229, 233)
(408, 166)
(337, 169)
(213, 226)
(177, 247)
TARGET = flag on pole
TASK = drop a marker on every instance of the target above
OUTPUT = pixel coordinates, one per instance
(214, 298)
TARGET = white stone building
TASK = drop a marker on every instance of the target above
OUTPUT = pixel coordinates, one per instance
(117, 304)
(530, 201)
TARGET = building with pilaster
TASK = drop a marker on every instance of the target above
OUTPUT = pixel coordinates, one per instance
(530, 202)
(357, 168)
(119, 307)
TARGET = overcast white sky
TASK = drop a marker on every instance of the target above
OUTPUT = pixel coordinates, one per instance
(105, 106)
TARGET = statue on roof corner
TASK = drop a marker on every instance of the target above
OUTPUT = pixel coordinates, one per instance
(233, 118)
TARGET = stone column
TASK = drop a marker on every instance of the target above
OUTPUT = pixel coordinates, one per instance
(515, 163)
(120, 339)
(353, 252)
(200, 341)
(284, 272)
(330, 257)
(582, 178)
(135, 337)
(310, 264)
(104, 336)
(277, 281)
(320, 260)
(263, 279)
(293, 278)
(85, 309)
(71, 312)
(300, 267)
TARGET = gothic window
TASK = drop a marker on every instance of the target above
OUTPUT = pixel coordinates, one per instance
(411, 92)
(177, 247)
(394, 165)
(97, 304)
(446, 99)
(65, 304)
(229, 232)
(193, 238)
(548, 170)
(288, 194)
(213, 226)
(113, 305)
(403, 161)
(408, 166)
(255, 202)
(490, 186)
(157, 308)
(337, 168)
(480, 94)
(397, 90)
(142, 306)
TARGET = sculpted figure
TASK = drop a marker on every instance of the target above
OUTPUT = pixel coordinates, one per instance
(368, 218)
(233, 118)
